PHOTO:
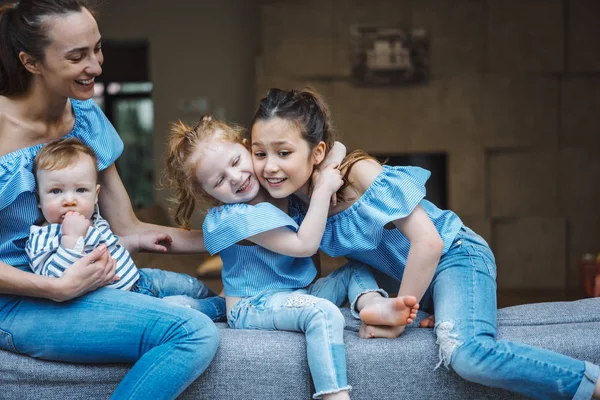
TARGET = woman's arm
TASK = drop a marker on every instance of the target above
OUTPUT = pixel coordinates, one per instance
(115, 206)
(91, 272)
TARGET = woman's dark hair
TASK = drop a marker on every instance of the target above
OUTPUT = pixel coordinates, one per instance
(23, 27)
(305, 108)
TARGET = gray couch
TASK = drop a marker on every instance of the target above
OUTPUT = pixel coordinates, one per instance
(272, 365)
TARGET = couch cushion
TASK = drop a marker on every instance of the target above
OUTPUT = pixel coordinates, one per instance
(272, 365)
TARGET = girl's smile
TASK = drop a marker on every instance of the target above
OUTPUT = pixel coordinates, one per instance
(283, 161)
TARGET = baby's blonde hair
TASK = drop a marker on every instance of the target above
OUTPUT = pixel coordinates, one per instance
(179, 169)
(61, 153)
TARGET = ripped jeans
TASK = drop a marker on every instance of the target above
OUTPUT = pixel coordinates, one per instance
(314, 311)
(464, 297)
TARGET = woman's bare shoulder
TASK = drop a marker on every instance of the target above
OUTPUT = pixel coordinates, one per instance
(14, 133)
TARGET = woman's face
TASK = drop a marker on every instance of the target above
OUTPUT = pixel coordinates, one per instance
(73, 58)
(283, 160)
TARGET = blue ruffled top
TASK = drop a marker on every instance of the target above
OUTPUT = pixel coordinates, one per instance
(360, 231)
(18, 203)
(249, 269)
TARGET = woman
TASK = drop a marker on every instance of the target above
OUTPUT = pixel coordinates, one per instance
(50, 55)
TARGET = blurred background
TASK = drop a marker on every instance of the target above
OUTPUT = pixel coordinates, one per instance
(505, 110)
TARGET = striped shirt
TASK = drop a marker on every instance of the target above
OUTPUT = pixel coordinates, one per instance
(18, 203)
(249, 269)
(360, 232)
(48, 257)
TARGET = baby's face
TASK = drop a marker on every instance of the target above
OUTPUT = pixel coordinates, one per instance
(73, 188)
(225, 171)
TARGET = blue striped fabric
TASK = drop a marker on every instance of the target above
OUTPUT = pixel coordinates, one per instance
(358, 232)
(249, 269)
(49, 258)
(18, 203)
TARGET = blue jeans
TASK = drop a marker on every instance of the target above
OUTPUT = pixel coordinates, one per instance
(314, 311)
(170, 345)
(181, 289)
(464, 297)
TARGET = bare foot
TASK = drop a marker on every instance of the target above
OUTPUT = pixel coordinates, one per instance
(395, 311)
(428, 322)
(374, 331)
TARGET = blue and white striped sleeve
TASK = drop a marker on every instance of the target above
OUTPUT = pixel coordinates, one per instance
(47, 256)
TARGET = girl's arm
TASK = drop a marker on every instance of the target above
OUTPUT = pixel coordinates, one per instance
(336, 155)
(424, 254)
(116, 207)
(89, 273)
(305, 242)
(426, 245)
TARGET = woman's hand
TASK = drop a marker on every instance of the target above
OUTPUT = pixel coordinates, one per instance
(154, 241)
(95, 270)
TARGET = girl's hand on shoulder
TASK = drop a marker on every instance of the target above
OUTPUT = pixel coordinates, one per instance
(95, 270)
(328, 179)
(154, 241)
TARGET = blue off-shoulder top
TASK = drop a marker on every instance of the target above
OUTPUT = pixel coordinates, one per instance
(249, 269)
(18, 202)
(360, 232)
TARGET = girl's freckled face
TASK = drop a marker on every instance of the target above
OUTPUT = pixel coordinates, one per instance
(225, 171)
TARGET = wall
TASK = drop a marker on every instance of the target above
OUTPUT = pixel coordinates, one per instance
(198, 48)
(514, 99)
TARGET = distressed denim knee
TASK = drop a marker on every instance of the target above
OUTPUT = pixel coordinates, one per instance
(466, 356)
(470, 359)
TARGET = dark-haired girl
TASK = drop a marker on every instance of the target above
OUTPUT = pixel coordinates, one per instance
(383, 220)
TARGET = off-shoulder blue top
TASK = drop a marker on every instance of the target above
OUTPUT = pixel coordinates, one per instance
(249, 269)
(18, 203)
(360, 231)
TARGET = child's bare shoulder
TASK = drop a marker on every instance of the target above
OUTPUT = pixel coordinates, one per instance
(363, 173)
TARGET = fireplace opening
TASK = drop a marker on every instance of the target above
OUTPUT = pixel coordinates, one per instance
(436, 163)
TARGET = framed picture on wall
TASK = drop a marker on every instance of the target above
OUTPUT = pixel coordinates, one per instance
(388, 55)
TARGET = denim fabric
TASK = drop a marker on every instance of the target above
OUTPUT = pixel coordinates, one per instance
(170, 345)
(464, 296)
(181, 289)
(346, 284)
(252, 364)
(295, 310)
(314, 311)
